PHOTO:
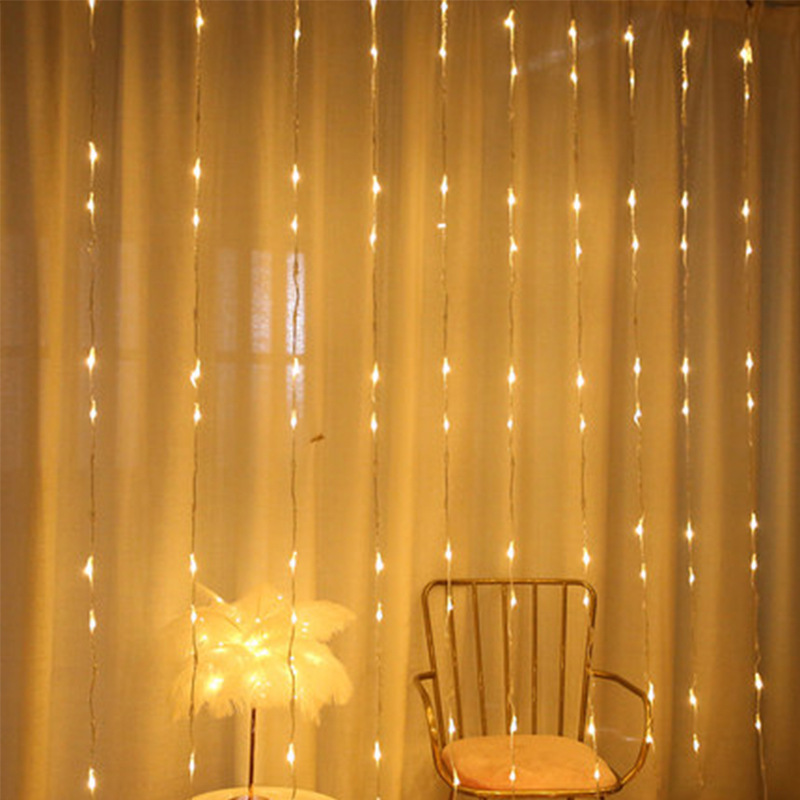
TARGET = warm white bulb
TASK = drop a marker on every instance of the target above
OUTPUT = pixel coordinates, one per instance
(91, 781)
(92, 621)
(512, 198)
(192, 565)
(92, 153)
(632, 198)
(88, 570)
(512, 376)
(509, 21)
(197, 171)
(197, 414)
(378, 563)
(629, 35)
(576, 203)
(373, 423)
(689, 532)
(445, 367)
(580, 381)
(91, 359)
(686, 41)
(511, 551)
(295, 175)
(695, 743)
(195, 374)
(753, 522)
(443, 187)
(93, 412)
(376, 751)
(586, 558)
(692, 698)
(379, 612)
(573, 30)
(290, 756)
(293, 420)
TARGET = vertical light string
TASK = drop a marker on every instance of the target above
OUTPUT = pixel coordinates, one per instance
(446, 368)
(685, 370)
(295, 375)
(639, 530)
(580, 379)
(194, 378)
(746, 55)
(513, 72)
(91, 362)
(375, 189)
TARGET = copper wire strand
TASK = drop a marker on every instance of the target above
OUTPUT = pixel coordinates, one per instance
(295, 371)
(374, 394)
(511, 378)
(195, 383)
(92, 317)
(685, 370)
(752, 450)
(635, 299)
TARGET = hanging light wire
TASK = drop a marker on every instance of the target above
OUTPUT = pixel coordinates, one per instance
(375, 189)
(291, 754)
(640, 529)
(685, 369)
(446, 366)
(194, 378)
(746, 56)
(580, 379)
(513, 73)
(91, 363)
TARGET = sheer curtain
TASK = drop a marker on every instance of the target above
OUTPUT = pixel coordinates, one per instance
(145, 107)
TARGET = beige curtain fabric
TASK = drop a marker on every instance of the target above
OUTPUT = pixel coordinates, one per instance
(145, 118)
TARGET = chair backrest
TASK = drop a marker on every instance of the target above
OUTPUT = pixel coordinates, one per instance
(490, 656)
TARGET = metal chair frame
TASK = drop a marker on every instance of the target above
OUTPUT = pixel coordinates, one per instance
(432, 701)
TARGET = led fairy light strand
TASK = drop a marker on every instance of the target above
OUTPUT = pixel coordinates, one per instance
(194, 378)
(629, 39)
(746, 55)
(291, 754)
(690, 532)
(91, 363)
(446, 367)
(513, 72)
(375, 189)
(580, 379)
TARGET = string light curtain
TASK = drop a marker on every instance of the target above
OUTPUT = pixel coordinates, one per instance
(144, 307)
(91, 363)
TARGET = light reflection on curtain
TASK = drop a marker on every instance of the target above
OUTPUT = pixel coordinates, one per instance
(145, 120)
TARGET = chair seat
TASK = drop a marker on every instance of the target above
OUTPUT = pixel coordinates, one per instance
(542, 763)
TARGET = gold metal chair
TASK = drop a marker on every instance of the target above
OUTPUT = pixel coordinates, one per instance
(533, 672)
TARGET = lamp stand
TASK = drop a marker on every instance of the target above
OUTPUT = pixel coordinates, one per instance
(251, 795)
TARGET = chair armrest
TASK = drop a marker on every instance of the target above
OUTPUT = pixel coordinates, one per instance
(420, 679)
(647, 718)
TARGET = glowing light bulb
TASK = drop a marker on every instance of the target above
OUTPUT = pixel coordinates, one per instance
(512, 728)
(586, 558)
(685, 366)
(685, 201)
(92, 621)
(509, 20)
(512, 775)
(692, 576)
(512, 376)
(294, 224)
(295, 175)
(376, 751)
(445, 367)
(578, 250)
(297, 34)
(196, 374)
(197, 171)
(90, 203)
(749, 363)
(692, 698)
(293, 563)
(746, 208)
(643, 574)
(580, 381)
(635, 244)
(448, 553)
(591, 730)
(446, 423)
(192, 565)
(685, 408)
(295, 368)
(443, 187)
(199, 22)
(576, 203)
(373, 422)
(640, 528)
(197, 414)
(746, 53)
(637, 367)
(91, 5)
(196, 218)
(451, 727)
(373, 237)
(758, 723)
(632, 198)
(686, 41)
(573, 76)
(93, 412)
(695, 743)
(376, 375)
(651, 692)
(573, 31)
(689, 532)
(378, 563)
(293, 420)
(628, 37)
(88, 570)
(376, 187)
(91, 359)
(290, 755)
(511, 551)
(753, 522)
(748, 248)
(92, 154)
(192, 765)
(379, 612)
(91, 780)
(753, 563)
(751, 403)
(512, 198)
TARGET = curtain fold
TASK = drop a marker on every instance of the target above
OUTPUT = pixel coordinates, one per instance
(145, 290)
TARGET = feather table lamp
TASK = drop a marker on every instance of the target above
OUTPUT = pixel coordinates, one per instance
(243, 658)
